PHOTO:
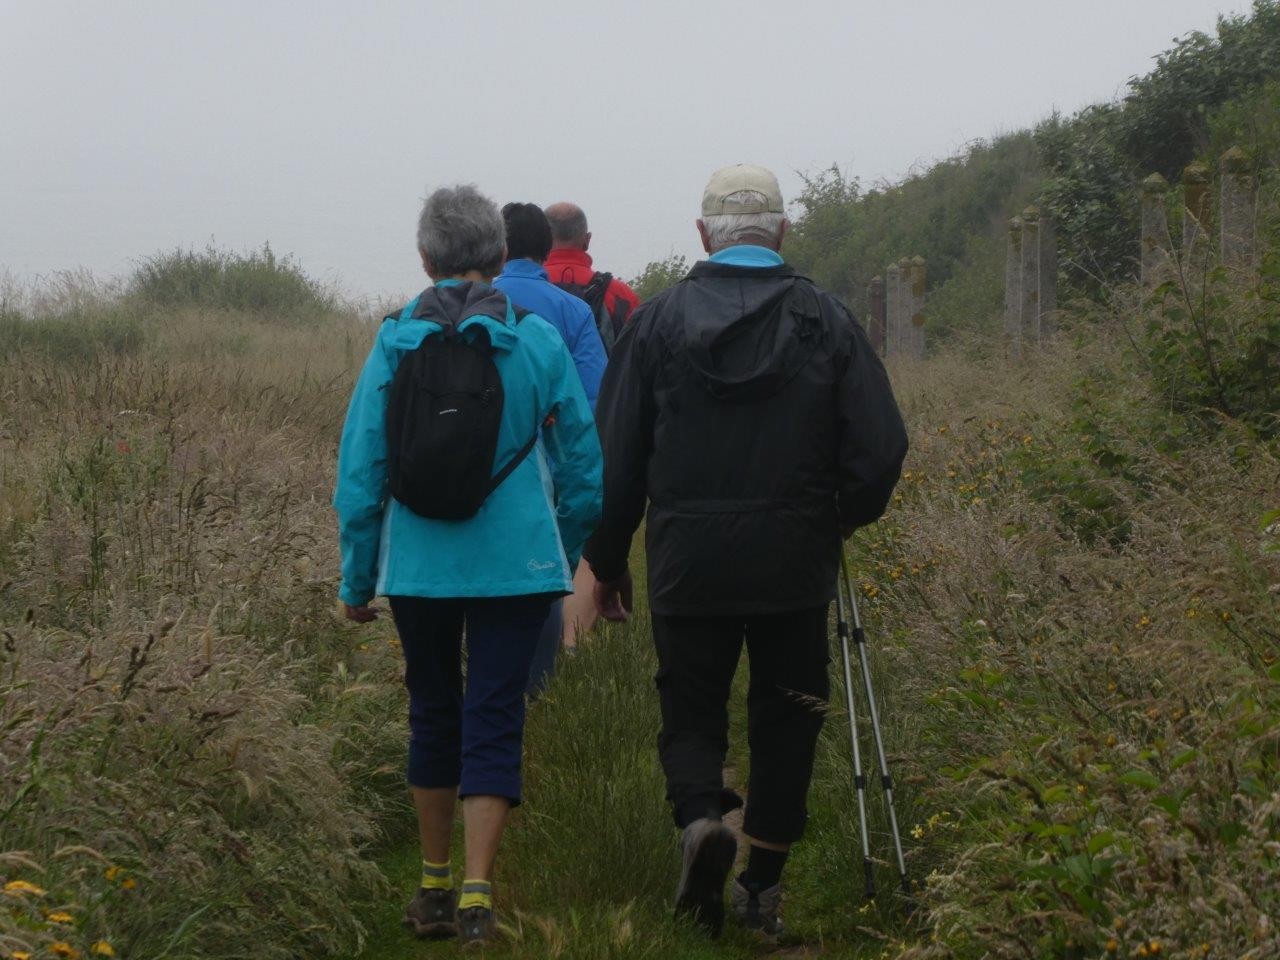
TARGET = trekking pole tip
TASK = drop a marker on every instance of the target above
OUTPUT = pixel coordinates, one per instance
(869, 873)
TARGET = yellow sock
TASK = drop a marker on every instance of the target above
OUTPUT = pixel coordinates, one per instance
(476, 893)
(436, 876)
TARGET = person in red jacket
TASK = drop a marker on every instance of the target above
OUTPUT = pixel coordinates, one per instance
(569, 261)
(570, 266)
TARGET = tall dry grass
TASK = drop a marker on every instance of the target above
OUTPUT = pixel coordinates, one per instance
(1073, 618)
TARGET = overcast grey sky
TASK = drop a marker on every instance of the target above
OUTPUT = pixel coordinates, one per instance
(129, 127)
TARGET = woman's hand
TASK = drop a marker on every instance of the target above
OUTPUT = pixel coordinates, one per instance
(361, 614)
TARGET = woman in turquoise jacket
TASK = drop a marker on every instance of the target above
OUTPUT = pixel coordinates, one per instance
(492, 576)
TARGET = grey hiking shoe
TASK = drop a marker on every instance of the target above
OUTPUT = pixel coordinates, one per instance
(709, 848)
(430, 914)
(757, 909)
(475, 926)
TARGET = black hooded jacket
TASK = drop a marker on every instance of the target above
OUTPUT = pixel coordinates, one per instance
(748, 409)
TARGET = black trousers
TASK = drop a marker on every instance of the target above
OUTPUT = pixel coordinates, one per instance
(697, 657)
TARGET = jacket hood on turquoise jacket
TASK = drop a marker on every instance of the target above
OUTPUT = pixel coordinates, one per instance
(528, 535)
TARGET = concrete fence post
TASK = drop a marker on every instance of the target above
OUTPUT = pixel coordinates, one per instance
(893, 311)
(905, 308)
(1047, 278)
(876, 314)
(1029, 283)
(1197, 216)
(916, 330)
(1238, 214)
(1013, 289)
(1155, 231)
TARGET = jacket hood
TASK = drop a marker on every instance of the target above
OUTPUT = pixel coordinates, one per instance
(450, 304)
(748, 330)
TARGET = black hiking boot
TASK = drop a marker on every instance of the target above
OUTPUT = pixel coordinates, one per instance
(475, 926)
(431, 914)
(709, 848)
(756, 909)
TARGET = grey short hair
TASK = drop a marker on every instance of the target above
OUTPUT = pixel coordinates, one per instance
(726, 229)
(460, 229)
(567, 227)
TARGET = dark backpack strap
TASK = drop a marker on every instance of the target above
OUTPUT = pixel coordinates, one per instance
(513, 462)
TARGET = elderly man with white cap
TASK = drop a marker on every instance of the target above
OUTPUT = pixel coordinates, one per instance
(747, 411)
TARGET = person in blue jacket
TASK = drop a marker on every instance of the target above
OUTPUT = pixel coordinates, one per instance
(525, 281)
(492, 576)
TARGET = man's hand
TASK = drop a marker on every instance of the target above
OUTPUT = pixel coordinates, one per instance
(361, 614)
(613, 598)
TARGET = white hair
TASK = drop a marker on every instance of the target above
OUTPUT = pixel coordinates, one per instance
(462, 230)
(727, 229)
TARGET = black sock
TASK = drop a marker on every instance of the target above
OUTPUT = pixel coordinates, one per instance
(764, 867)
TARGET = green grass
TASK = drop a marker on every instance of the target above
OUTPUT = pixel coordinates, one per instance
(590, 862)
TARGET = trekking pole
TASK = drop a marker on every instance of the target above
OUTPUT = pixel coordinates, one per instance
(859, 780)
(860, 639)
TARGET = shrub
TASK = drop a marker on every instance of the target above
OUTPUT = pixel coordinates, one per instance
(257, 282)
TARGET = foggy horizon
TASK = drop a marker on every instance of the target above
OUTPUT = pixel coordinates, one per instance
(241, 125)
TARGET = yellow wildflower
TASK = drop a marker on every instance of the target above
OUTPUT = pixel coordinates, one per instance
(22, 886)
(1226, 616)
(129, 883)
(1112, 945)
(59, 916)
(1118, 923)
(63, 949)
(918, 832)
(1144, 622)
(1154, 947)
(103, 949)
(113, 873)
(20, 955)
(1081, 789)
(1143, 951)
(1111, 740)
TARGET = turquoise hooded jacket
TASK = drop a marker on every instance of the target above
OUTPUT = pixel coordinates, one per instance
(528, 535)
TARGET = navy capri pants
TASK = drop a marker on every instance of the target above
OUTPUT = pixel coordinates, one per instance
(471, 736)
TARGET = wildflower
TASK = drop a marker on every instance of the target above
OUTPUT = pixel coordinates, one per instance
(1154, 947)
(103, 949)
(128, 883)
(63, 949)
(1143, 951)
(1144, 622)
(21, 887)
(1111, 740)
(1192, 613)
(1112, 945)
(20, 955)
(895, 573)
(917, 832)
(113, 873)
(1081, 789)
(1226, 616)
(942, 430)
(59, 916)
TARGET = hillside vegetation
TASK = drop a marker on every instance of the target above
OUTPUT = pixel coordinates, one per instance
(1208, 92)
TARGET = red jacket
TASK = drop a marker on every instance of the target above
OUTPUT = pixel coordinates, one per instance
(574, 266)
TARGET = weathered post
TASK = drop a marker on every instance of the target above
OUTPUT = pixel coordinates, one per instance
(1047, 278)
(1239, 212)
(1155, 231)
(876, 314)
(1197, 216)
(916, 330)
(1013, 289)
(1029, 308)
(893, 311)
(904, 306)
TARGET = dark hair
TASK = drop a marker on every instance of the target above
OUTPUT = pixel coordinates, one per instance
(528, 233)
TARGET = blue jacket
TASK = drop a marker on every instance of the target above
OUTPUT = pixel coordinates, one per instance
(528, 535)
(526, 283)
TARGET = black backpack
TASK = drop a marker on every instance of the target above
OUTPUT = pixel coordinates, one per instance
(610, 327)
(443, 415)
